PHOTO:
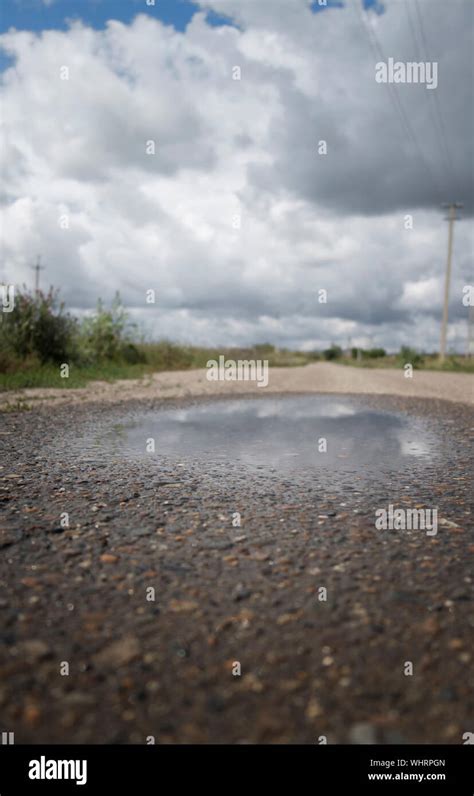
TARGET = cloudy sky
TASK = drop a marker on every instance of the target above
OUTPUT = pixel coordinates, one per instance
(238, 219)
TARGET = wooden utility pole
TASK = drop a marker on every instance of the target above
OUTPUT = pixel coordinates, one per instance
(470, 333)
(37, 268)
(452, 206)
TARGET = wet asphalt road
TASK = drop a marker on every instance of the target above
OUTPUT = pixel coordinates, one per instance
(80, 598)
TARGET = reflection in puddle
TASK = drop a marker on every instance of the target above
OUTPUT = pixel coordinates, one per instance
(288, 434)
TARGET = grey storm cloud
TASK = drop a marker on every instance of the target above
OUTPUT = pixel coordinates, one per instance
(236, 221)
(380, 158)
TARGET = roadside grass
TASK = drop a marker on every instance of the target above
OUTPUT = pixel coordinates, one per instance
(157, 357)
(166, 356)
(49, 376)
(16, 406)
(451, 364)
(38, 337)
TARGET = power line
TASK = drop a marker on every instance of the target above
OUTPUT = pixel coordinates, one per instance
(393, 93)
(373, 43)
(418, 50)
(439, 114)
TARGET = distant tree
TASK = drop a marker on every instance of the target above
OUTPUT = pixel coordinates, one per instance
(374, 353)
(334, 352)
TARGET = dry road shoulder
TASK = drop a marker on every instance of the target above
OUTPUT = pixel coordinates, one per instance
(321, 377)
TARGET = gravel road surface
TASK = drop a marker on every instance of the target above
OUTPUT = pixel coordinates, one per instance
(154, 615)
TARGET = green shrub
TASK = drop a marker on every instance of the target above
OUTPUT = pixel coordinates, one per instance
(38, 327)
(106, 335)
(132, 355)
(408, 355)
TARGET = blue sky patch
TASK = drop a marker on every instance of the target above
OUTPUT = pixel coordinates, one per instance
(316, 6)
(38, 15)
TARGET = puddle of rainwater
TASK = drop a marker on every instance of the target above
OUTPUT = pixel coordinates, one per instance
(287, 434)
